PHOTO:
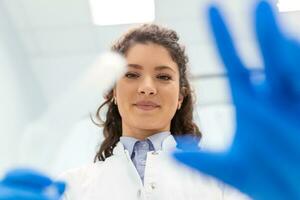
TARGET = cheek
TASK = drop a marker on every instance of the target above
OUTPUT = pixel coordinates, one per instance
(125, 94)
(170, 99)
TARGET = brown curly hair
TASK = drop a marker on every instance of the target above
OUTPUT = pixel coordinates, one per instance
(182, 123)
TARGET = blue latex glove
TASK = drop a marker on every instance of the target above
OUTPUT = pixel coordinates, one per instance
(26, 184)
(264, 159)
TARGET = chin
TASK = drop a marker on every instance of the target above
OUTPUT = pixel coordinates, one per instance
(147, 125)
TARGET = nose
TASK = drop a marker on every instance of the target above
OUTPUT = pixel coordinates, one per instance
(147, 87)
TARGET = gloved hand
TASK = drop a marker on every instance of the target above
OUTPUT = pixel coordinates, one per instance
(264, 158)
(26, 184)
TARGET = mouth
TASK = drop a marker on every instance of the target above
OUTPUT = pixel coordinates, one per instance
(146, 107)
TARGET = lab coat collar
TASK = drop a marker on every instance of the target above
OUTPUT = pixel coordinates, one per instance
(168, 144)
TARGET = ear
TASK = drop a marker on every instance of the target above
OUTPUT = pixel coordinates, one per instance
(114, 91)
(181, 97)
(114, 97)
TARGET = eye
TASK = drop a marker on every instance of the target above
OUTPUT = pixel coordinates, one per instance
(164, 77)
(131, 75)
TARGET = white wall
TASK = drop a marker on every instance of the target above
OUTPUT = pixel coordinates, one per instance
(19, 94)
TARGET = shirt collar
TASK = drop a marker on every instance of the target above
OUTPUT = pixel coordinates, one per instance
(156, 139)
(128, 143)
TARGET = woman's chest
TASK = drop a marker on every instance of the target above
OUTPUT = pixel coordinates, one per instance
(163, 179)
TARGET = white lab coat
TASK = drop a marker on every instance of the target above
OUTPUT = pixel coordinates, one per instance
(117, 179)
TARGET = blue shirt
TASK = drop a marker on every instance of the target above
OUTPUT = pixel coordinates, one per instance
(138, 149)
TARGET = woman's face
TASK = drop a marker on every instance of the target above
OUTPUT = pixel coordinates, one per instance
(148, 95)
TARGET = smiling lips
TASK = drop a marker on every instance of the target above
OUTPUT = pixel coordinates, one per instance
(146, 105)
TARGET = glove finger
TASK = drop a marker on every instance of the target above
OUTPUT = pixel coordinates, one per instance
(60, 187)
(187, 142)
(26, 177)
(8, 193)
(239, 76)
(270, 39)
(291, 56)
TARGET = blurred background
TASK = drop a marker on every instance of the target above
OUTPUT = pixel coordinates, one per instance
(46, 45)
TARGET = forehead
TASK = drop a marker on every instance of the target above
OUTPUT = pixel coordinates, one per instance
(150, 55)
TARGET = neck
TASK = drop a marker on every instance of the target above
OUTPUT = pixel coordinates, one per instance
(141, 134)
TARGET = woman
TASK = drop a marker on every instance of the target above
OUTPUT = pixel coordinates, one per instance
(148, 107)
(118, 171)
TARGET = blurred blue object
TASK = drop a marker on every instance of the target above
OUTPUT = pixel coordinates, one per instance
(264, 159)
(27, 184)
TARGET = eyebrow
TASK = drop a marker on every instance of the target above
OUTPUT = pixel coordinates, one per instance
(157, 68)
